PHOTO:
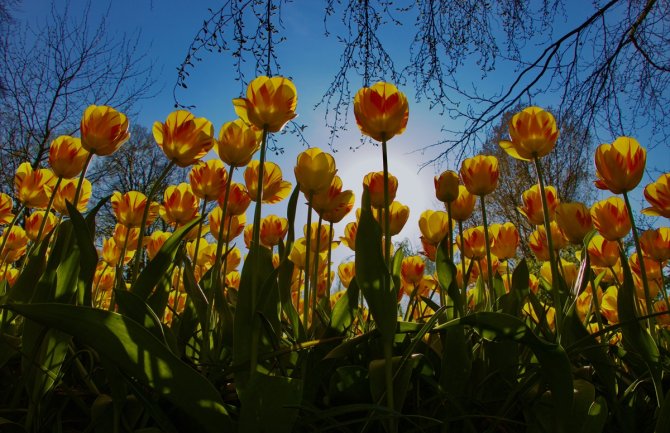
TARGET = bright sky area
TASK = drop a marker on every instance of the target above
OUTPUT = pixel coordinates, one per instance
(167, 28)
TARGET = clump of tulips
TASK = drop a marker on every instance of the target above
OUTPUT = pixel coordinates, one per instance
(152, 330)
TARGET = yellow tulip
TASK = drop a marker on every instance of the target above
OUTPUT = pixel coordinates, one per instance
(270, 103)
(66, 192)
(314, 171)
(128, 208)
(464, 205)
(620, 165)
(504, 240)
(33, 187)
(658, 195)
(610, 218)
(275, 188)
(480, 174)
(381, 111)
(346, 272)
(180, 205)
(655, 243)
(472, 243)
(238, 142)
(273, 230)
(446, 186)
(434, 226)
(238, 200)
(603, 253)
(34, 222)
(6, 205)
(412, 268)
(208, 179)
(574, 220)
(374, 183)
(183, 137)
(532, 204)
(103, 130)
(533, 133)
(67, 156)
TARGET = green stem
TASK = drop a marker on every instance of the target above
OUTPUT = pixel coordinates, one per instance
(556, 296)
(81, 180)
(219, 245)
(663, 293)
(594, 297)
(387, 211)
(388, 374)
(46, 215)
(315, 280)
(489, 265)
(465, 283)
(145, 215)
(308, 242)
(330, 250)
(198, 236)
(450, 233)
(640, 259)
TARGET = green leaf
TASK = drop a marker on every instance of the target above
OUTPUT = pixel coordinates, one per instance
(446, 276)
(131, 306)
(401, 381)
(163, 262)
(663, 418)
(371, 274)
(554, 363)
(140, 355)
(635, 337)
(270, 404)
(88, 255)
(345, 308)
(195, 293)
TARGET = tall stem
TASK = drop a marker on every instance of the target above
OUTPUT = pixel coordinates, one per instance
(46, 213)
(315, 281)
(387, 219)
(640, 259)
(489, 265)
(81, 179)
(556, 296)
(330, 250)
(145, 215)
(219, 244)
(308, 241)
(199, 234)
(450, 233)
(465, 283)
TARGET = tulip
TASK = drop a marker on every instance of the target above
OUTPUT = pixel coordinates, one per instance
(349, 238)
(464, 205)
(608, 305)
(111, 253)
(533, 133)
(434, 226)
(429, 249)
(273, 230)
(539, 244)
(206, 253)
(472, 243)
(321, 236)
(374, 183)
(208, 179)
(128, 208)
(238, 142)
(184, 138)
(620, 165)
(66, 192)
(155, 242)
(314, 171)
(480, 174)
(603, 253)
(275, 188)
(574, 220)
(270, 103)
(6, 205)
(399, 213)
(504, 240)
(549, 314)
(340, 206)
(34, 222)
(655, 243)
(232, 280)
(123, 235)
(8, 274)
(412, 268)
(346, 272)
(658, 195)
(652, 268)
(103, 130)
(381, 111)
(532, 204)
(33, 187)
(180, 205)
(238, 199)
(446, 186)
(233, 225)
(67, 157)
(14, 242)
(569, 272)
(610, 218)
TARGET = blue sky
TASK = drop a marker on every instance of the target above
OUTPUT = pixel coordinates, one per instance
(168, 26)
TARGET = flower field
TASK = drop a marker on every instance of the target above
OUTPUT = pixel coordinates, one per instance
(146, 330)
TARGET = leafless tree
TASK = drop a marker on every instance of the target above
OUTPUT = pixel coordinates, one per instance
(52, 71)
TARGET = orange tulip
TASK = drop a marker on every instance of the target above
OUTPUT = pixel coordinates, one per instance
(480, 174)
(126, 236)
(180, 205)
(270, 103)
(652, 267)
(15, 244)
(238, 142)
(533, 133)
(233, 280)
(446, 186)
(233, 225)
(608, 305)
(472, 243)
(103, 130)
(67, 156)
(33, 187)
(656, 243)
(273, 230)
(314, 171)
(6, 205)
(381, 111)
(129, 207)
(575, 221)
(111, 253)
(346, 272)
(620, 165)
(434, 226)
(399, 214)
(275, 188)
(374, 183)
(184, 138)
(34, 222)
(464, 205)
(610, 218)
(603, 253)
(532, 204)
(66, 192)
(429, 249)
(658, 195)
(504, 240)
(539, 244)
(8, 274)
(339, 206)
(248, 232)
(238, 200)
(412, 268)
(349, 238)
(208, 179)
(155, 242)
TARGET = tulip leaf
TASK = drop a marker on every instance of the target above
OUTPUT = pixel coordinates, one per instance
(635, 337)
(554, 363)
(131, 306)
(24, 287)
(270, 403)
(663, 418)
(163, 263)
(195, 293)
(345, 308)
(371, 273)
(139, 355)
(402, 376)
(88, 255)
(446, 276)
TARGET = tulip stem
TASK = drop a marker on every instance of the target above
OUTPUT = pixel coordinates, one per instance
(81, 180)
(663, 293)
(387, 219)
(145, 215)
(640, 259)
(330, 250)
(556, 296)
(489, 265)
(315, 279)
(199, 233)
(308, 239)
(46, 214)
(450, 233)
(219, 244)
(465, 283)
